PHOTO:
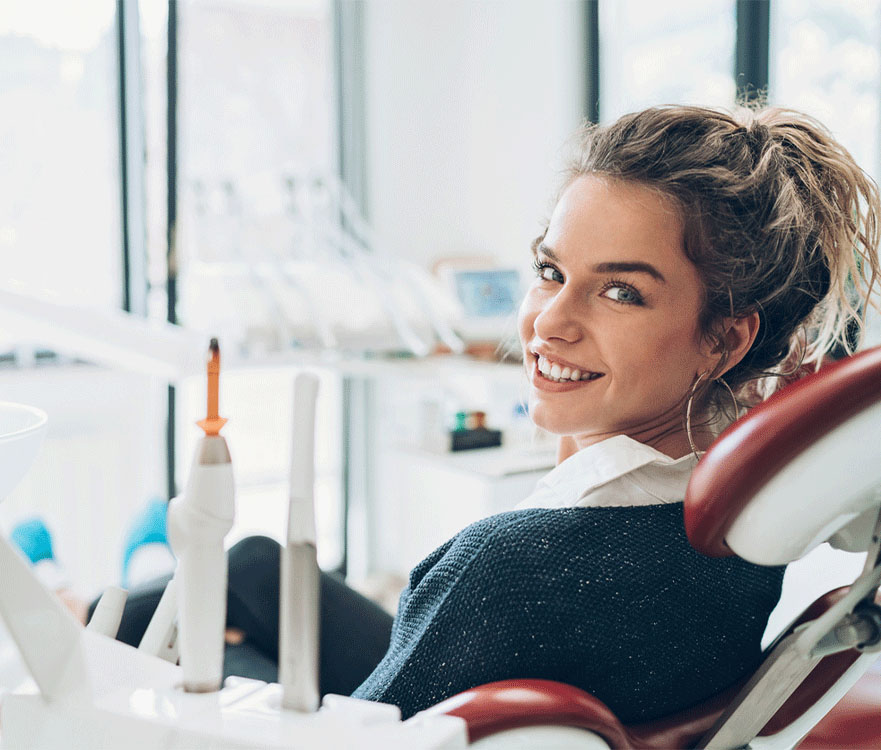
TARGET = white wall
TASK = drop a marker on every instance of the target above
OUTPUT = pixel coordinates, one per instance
(468, 105)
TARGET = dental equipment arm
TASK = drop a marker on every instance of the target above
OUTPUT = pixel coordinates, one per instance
(413, 275)
(300, 588)
(108, 337)
(354, 254)
(198, 521)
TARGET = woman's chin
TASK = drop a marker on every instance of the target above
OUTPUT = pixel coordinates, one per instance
(555, 424)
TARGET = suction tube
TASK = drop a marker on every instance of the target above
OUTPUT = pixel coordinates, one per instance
(300, 582)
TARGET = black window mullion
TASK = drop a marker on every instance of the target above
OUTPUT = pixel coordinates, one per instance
(592, 61)
(171, 217)
(131, 159)
(751, 52)
(123, 155)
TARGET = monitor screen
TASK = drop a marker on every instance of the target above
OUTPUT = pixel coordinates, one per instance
(488, 293)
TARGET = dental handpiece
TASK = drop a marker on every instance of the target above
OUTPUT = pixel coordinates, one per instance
(300, 578)
(198, 521)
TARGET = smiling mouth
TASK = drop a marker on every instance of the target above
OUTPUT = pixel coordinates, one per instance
(557, 373)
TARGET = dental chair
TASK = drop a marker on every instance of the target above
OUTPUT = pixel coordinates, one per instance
(801, 469)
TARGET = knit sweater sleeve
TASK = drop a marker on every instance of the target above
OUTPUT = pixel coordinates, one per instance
(612, 600)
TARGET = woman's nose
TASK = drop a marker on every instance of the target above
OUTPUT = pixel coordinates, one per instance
(560, 317)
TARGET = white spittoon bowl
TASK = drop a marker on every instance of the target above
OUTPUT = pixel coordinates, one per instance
(22, 429)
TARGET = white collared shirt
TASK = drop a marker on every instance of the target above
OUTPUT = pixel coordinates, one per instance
(618, 471)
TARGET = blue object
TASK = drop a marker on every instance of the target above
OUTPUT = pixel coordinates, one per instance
(33, 538)
(148, 527)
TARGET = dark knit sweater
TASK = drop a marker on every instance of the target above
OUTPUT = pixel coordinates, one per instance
(612, 600)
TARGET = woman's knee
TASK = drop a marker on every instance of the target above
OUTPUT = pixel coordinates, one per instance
(255, 549)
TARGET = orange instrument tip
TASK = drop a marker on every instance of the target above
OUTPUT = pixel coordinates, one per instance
(213, 422)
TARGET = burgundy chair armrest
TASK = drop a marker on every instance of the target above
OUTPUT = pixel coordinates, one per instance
(510, 704)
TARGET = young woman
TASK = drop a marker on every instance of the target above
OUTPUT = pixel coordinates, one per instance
(693, 258)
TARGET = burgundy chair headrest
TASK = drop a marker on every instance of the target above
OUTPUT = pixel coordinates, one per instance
(756, 447)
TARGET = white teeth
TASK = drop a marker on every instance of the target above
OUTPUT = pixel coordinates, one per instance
(553, 371)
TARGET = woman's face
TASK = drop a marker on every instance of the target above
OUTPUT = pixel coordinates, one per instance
(609, 327)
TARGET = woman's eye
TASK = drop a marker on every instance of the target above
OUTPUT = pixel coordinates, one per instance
(547, 273)
(626, 295)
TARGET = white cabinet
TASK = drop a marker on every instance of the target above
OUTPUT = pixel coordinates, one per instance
(409, 495)
(435, 495)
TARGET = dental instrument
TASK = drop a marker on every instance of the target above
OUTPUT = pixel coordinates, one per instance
(108, 612)
(198, 522)
(160, 637)
(300, 587)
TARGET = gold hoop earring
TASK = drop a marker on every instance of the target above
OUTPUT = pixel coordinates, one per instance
(688, 406)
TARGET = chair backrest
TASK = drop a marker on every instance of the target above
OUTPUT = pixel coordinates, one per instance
(807, 461)
(797, 471)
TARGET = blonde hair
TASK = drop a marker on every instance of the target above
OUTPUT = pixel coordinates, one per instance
(777, 217)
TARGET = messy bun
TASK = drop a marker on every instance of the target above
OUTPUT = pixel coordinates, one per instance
(777, 217)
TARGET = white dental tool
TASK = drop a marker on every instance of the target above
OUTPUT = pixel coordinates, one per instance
(160, 637)
(300, 581)
(108, 612)
(198, 521)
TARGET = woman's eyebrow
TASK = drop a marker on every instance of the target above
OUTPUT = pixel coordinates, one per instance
(546, 251)
(627, 266)
(621, 266)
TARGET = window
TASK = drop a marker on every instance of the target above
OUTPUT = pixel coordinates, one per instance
(60, 208)
(255, 113)
(651, 54)
(61, 234)
(825, 61)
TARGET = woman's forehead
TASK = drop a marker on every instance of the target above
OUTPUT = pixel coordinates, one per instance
(607, 216)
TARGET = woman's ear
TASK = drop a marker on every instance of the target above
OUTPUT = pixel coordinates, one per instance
(737, 335)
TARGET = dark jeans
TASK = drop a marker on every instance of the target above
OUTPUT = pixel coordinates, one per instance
(354, 631)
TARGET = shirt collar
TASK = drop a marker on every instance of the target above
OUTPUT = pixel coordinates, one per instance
(603, 462)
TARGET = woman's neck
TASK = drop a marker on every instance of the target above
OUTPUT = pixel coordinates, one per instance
(671, 439)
